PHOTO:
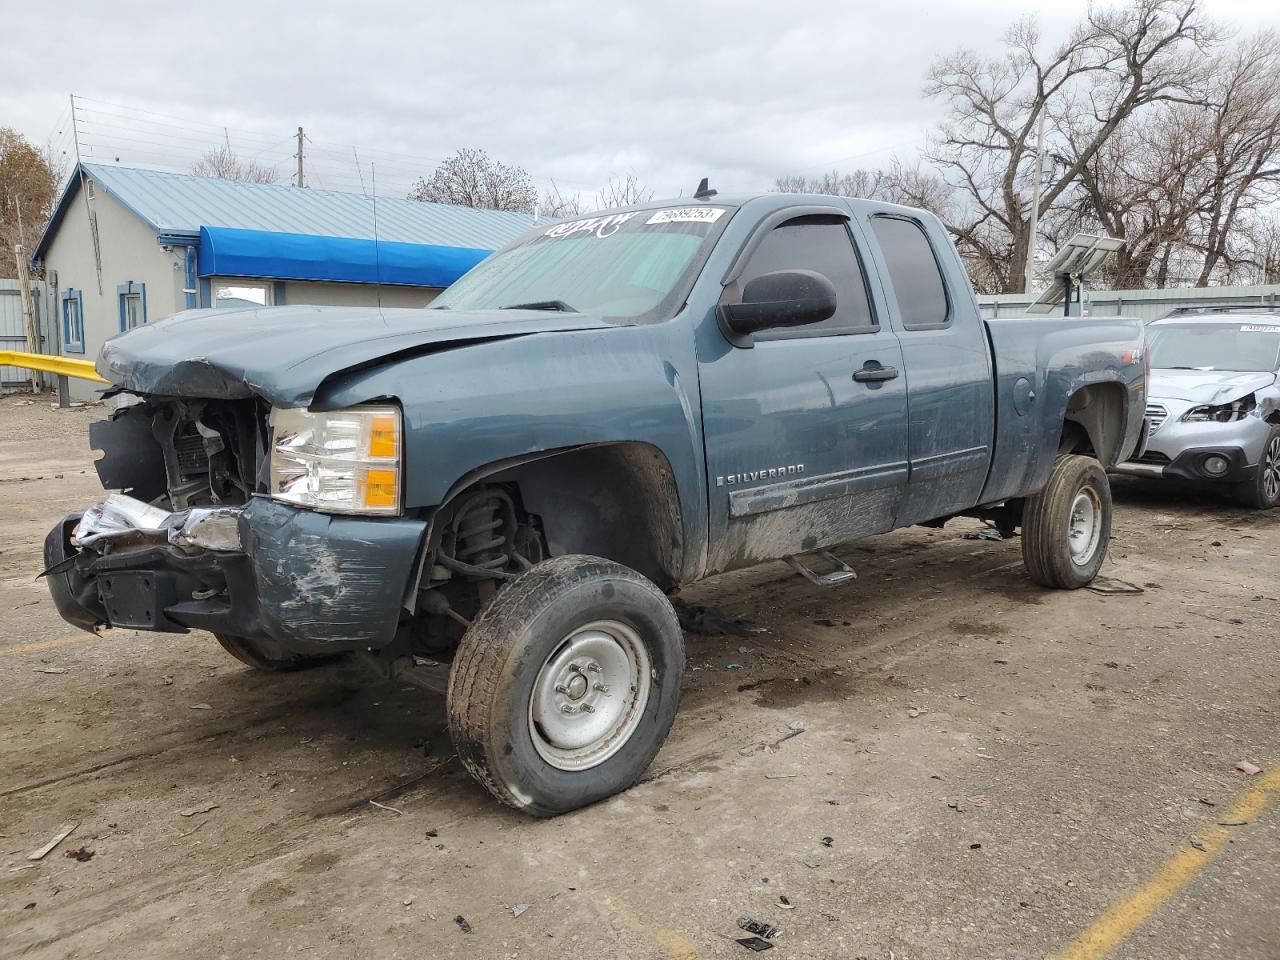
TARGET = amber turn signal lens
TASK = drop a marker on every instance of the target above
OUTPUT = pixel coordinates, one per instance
(384, 436)
(380, 488)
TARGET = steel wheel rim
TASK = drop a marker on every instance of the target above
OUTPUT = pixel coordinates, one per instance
(1084, 528)
(1271, 470)
(589, 695)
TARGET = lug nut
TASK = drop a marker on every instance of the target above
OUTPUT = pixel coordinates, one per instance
(561, 688)
(593, 667)
(568, 708)
(600, 687)
(588, 708)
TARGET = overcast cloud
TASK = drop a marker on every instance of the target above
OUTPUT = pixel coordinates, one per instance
(670, 91)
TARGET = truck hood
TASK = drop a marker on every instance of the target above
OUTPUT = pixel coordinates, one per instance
(1206, 386)
(283, 354)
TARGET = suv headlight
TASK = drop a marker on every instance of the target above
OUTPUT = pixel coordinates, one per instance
(1223, 412)
(343, 461)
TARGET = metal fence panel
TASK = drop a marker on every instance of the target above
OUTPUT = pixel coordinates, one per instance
(1145, 305)
(12, 334)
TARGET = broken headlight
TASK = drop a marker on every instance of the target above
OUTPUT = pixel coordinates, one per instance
(1223, 412)
(342, 461)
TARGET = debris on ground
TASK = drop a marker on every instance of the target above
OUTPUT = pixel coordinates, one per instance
(978, 800)
(1110, 585)
(785, 904)
(828, 841)
(914, 712)
(780, 776)
(201, 706)
(383, 806)
(198, 808)
(986, 533)
(766, 930)
(49, 670)
(1232, 823)
(733, 666)
(57, 839)
(167, 679)
(461, 921)
(1198, 845)
(832, 622)
(80, 854)
(519, 908)
(756, 944)
(1248, 769)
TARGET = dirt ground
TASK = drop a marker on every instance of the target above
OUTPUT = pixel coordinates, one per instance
(986, 769)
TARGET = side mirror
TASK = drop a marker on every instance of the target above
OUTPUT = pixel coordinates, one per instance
(784, 298)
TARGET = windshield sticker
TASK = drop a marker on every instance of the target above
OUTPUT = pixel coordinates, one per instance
(1260, 328)
(601, 226)
(687, 215)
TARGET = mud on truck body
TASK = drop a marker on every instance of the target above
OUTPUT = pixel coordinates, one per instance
(496, 496)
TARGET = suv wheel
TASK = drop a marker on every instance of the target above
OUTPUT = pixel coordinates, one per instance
(1262, 490)
(1066, 526)
(566, 685)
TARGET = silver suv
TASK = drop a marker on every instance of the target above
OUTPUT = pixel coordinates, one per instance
(1213, 405)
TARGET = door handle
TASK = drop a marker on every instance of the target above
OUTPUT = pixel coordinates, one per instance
(873, 372)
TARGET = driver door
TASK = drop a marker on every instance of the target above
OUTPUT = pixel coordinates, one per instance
(805, 429)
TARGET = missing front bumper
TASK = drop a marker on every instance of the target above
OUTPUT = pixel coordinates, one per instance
(306, 582)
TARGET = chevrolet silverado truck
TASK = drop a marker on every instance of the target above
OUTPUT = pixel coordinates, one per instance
(496, 496)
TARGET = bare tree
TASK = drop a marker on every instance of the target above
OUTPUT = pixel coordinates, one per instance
(859, 183)
(1115, 63)
(555, 203)
(470, 178)
(28, 189)
(623, 192)
(223, 164)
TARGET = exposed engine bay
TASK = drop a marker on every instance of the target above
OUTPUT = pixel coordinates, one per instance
(181, 453)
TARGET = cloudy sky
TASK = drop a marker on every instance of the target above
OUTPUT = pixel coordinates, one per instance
(572, 91)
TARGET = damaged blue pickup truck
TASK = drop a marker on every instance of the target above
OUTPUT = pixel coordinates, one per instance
(496, 496)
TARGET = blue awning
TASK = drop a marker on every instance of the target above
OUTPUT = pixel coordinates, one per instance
(232, 252)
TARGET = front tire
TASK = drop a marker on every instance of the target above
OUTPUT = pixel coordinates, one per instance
(566, 685)
(1262, 490)
(1066, 526)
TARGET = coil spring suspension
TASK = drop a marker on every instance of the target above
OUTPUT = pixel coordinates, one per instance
(484, 530)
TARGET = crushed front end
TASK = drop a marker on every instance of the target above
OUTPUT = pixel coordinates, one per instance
(204, 534)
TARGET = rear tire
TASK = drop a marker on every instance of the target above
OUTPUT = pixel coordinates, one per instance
(1262, 490)
(1066, 526)
(565, 686)
(248, 652)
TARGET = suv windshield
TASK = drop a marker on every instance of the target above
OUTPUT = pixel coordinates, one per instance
(1245, 347)
(635, 265)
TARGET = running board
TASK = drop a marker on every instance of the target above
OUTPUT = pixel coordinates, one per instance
(842, 574)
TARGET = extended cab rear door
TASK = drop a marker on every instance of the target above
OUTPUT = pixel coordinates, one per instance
(805, 429)
(947, 360)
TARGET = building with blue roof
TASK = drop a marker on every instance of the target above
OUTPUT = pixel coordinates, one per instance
(127, 246)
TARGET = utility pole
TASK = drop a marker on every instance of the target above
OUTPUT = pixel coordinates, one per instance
(1033, 225)
(301, 138)
(28, 308)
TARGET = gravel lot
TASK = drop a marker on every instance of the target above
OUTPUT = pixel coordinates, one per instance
(986, 769)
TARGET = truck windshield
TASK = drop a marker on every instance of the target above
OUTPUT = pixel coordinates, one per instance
(1245, 347)
(635, 265)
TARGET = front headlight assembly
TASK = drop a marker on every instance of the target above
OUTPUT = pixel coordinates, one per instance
(342, 461)
(1223, 412)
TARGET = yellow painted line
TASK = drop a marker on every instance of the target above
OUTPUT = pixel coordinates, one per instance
(36, 645)
(1115, 926)
(65, 366)
(674, 945)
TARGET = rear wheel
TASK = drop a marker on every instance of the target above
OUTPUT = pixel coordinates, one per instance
(564, 688)
(1262, 490)
(1066, 526)
(249, 652)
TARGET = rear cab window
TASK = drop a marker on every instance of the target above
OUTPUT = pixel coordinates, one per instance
(918, 287)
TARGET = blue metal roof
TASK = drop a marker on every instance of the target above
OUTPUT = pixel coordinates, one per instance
(180, 204)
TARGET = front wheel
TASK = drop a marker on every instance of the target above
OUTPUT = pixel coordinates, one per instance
(1262, 490)
(1066, 526)
(566, 685)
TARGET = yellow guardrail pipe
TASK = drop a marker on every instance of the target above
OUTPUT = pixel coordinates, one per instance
(62, 366)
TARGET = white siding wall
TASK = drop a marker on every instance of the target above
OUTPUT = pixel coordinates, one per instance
(129, 252)
(356, 294)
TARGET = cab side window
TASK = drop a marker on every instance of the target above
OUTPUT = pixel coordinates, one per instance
(913, 269)
(820, 243)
